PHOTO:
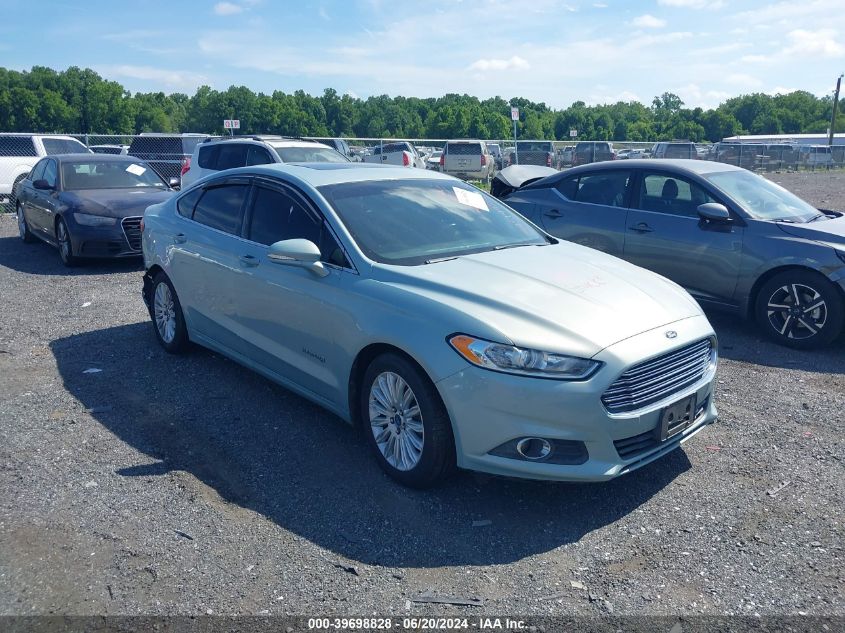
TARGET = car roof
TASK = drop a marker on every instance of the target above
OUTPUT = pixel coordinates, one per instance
(320, 174)
(92, 157)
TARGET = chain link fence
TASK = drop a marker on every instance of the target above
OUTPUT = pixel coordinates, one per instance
(167, 153)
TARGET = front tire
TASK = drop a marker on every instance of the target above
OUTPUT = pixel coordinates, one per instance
(23, 228)
(405, 422)
(166, 311)
(800, 309)
(65, 244)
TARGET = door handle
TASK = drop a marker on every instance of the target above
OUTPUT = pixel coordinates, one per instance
(553, 213)
(642, 227)
(249, 260)
(180, 238)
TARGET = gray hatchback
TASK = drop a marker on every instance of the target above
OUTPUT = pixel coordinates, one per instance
(730, 237)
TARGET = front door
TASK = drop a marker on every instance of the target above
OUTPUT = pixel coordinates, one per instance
(665, 234)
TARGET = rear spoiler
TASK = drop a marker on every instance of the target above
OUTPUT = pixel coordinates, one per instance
(512, 178)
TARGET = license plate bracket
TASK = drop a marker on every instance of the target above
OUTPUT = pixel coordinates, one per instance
(676, 417)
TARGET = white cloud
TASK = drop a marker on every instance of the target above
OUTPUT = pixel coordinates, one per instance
(514, 63)
(821, 43)
(693, 4)
(600, 5)
(227, 8)
(648, 22)
(743, 80)
(755, 59)
(175, 79)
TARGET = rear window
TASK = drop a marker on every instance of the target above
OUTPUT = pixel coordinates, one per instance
(534, 146)
(157, 145)
(17, 146)
(221, 208)
(310, 155)
(63, 146)
(207, 158)
(463, 149)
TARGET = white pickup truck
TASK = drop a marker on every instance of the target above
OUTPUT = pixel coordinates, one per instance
(400, 153)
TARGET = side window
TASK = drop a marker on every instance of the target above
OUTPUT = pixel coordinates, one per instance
(277, 216)
(50, 172)
(256, 155)
(672, 194)
(606, 188)
(231, 155)
(207, 158)
(185, 205)
(568, 187)
(37, 172)
(17, 146)
(222, 208)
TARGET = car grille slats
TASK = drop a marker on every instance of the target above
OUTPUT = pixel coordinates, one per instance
(658, 378)
(132, 231)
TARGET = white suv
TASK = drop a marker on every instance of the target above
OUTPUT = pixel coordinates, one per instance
(19, 152)
(217, 154)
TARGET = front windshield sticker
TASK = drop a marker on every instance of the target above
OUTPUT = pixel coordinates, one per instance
(136, 169)
(470, 198)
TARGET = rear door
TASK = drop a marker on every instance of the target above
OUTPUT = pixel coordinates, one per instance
(665, 234)
(205, 267)
(589, 208)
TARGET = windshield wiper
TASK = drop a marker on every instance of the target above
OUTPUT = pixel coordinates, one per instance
(817, 217)
(502, 247)
(786, 220)
(440, 259)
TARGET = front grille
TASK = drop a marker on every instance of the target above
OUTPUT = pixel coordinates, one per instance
(658, 378)
(132, 231)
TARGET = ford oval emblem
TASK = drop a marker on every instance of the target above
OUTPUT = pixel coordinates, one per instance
(671, 334)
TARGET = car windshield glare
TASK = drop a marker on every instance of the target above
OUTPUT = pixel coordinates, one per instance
(310, 155)
(109, 175)
(761, 198)
(411, 222)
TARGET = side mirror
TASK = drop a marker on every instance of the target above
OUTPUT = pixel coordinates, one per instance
(175, 183)
(301, 253)
(715, 212)
(42, 184)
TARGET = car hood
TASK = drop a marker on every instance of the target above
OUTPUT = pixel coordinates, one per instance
(115, 203)
(561, 298)
(828, 231)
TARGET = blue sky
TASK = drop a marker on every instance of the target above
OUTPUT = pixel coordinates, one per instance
(556, 51)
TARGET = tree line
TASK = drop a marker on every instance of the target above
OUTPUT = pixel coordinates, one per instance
(80, 101)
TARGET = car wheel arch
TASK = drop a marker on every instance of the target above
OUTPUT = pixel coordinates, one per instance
(751, 297)
(359, 367)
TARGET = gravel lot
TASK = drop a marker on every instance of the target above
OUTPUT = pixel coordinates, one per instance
(188, 485)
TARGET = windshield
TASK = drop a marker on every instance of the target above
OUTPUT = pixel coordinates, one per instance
(761, 198)
(310, 155)
(411, 222)
(109, 175)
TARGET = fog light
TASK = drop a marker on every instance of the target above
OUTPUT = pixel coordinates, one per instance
(533, 448)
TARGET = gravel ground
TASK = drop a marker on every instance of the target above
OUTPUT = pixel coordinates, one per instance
(188, 485)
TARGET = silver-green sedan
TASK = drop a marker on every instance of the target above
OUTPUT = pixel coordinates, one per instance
(452, 329)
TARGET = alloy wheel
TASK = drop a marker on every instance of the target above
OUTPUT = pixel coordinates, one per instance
(21, 223)
(797, 311)
(164, 310)
(396, 421)
(64, 242)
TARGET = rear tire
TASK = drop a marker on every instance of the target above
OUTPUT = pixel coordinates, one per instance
(406, 423)
(800, 309)
(166, 312)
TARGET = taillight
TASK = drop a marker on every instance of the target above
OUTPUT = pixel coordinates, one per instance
(483, 160)
(405, 159)
(186, 165)
(442, 160)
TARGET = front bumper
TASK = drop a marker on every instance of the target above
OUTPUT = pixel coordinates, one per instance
(489, 409)
(119, 240)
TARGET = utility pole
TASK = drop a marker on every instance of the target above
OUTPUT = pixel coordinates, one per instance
(833, 116)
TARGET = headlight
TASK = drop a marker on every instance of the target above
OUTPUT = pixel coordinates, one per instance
(86, 219)
(525, 362)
